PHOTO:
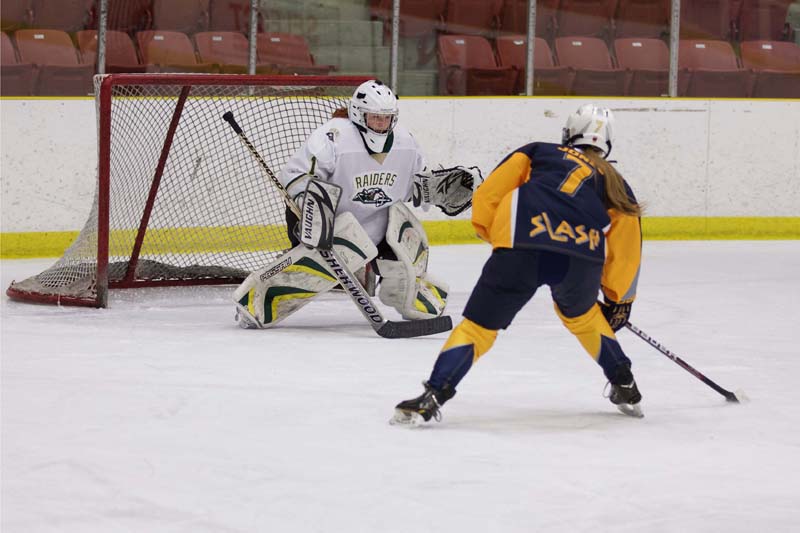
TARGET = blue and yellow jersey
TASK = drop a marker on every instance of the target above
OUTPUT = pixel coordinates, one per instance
(550, 197)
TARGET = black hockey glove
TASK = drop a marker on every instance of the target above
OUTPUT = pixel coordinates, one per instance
(616, 314)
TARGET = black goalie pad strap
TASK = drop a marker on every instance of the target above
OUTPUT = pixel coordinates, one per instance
(318, 212)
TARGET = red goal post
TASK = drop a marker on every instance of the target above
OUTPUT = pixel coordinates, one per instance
(179, 200)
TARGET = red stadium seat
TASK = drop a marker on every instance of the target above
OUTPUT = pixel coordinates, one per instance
(776, 65)
(467, 66)
(60, 71)
(230, 50)
(18, 79)
(65, 15)
(709, 68)
(647, 64)
(419, 20)
(120, 52)
(514, 17)
(771, 55)
(642, 18)
(187, 16)
(707, 19)
(129, 16)
(169, 51)
(289, 53)
(585, 17)
(417, 17)
(595, 73)
(232, 15)
(548, 79)
(472, 17)
(776, 84)
(763, 20)
(15, 14)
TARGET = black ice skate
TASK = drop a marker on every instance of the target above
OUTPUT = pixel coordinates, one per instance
(625, 394)
(422, 408)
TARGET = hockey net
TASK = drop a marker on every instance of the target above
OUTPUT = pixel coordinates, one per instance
(179, 200)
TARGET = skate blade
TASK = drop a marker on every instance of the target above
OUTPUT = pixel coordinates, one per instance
(631, 410)
(408, 419)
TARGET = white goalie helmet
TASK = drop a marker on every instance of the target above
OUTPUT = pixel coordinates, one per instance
(590, 125)
(373, 110)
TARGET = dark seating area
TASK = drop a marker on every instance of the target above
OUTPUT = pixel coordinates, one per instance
(729, 48)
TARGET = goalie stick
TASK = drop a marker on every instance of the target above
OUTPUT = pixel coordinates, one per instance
(735, 397)
(385, 328)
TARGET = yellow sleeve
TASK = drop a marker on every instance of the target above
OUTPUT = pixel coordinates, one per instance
(509, 175)
(623, 257)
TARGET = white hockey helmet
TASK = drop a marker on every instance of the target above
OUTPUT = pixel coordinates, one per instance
(590, 125)
(375, 98)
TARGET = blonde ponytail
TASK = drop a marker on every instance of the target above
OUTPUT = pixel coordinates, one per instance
(616, 195)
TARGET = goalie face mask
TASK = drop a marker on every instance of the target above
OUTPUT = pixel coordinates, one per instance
(375, 100)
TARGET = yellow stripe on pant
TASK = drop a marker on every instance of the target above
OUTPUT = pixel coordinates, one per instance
(466, 344)
(468, 332)
(597, 338)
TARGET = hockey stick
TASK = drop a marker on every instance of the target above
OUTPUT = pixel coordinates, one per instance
(735, 397)
(385, 328)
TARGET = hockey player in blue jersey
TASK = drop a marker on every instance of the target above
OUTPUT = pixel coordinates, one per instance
(558, 215)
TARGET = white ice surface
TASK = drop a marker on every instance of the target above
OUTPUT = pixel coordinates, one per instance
(159, 415)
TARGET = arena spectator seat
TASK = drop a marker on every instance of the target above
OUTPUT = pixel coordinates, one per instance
(584, 18)
(595, 73)
(763, 20)
(708, 19)
(417, 17)
(289, 53)
(232, 15)
(467, 66)
(776, 68)
(15, 14)
(709, 68)
(514, 18)
(19, 79)
(65, 15)
(120, 52)
(169, 51)
(642, 18)
(186, 16)
(472, 17)
(130, 16)
(420, 20)
(60, 70)
(646, 62)
(548, 79)
(229, 50)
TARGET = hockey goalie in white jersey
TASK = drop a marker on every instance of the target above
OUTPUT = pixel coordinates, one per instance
(378, 166)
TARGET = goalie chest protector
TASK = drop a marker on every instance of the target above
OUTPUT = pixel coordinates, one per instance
(337, 153)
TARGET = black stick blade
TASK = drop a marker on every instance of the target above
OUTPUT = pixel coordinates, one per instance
(415, 328)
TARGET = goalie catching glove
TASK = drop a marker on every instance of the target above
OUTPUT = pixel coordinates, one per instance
(450, 189)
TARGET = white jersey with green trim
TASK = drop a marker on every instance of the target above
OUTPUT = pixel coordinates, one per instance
(336, 153)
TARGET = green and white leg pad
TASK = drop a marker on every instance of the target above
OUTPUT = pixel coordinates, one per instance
(277, 290)
(405, 283)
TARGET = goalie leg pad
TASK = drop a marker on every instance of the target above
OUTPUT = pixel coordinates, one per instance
(405, 283)
(274, 292)
(414, 297)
